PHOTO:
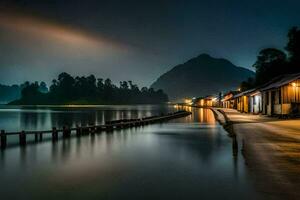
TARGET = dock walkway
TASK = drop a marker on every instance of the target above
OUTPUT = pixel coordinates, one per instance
(90, 129)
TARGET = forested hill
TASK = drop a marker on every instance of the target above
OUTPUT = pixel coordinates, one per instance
(201, 76)
(67, 89)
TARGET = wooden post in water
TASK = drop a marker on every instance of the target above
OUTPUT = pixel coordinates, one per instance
(3, 138)
(78, 130)
(97, 129)
(234, 146)
(36, 137)
(54, 134)
(66, 132)
(22, 138)
(41, 136)
(119, 126)
(84, 130)
(109, 128)
(93, 129)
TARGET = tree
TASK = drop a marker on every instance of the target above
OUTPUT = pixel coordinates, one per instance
(100, 84)
(247, 85)
(31, 90)
(65, 85)
(293, 48)
(91, 86)
(43, 87)
(124, 85)
(85, 90)
(270, 63)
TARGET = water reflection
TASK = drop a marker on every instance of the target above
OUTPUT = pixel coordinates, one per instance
(14, 118)
(186, 158)
(200, 114)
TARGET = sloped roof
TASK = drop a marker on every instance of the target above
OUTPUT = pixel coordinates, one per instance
(245, 92)
(233, 92)
(225, 98)
(283, 80)
(209, 97)
(273, 84)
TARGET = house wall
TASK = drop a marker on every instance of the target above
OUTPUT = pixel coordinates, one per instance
(286, 108)
(208, 103)
(200, 102)
(277, 102)
(256, 104)
(225, 104)
(291, 97)
(271, 102)
(286, 99)
(290, 93)
(277, 109)
(271, 105)
(251, 104)
(265, 102)
(239, 105)
(230, 104)
(245, 102)
(242, 104)
(234, 103)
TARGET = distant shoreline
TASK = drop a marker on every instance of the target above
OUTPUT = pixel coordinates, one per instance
(81, 105)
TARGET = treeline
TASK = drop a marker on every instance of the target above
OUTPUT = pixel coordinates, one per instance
(272, 62)
(9, 93)
(88, 90)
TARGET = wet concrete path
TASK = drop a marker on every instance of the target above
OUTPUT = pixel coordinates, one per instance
(271, 148)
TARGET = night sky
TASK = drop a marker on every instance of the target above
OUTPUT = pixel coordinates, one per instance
(134, 40)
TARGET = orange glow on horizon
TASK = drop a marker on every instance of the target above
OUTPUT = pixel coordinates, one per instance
(54, 32)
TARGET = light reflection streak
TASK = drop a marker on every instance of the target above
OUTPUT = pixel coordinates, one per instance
(52, 31)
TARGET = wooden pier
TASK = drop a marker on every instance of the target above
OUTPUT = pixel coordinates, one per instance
(90, 129)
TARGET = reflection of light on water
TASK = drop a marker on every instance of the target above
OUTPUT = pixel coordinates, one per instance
(206, 116)
(27, 110)
(187, 108)
(17, 118)
(118, 161)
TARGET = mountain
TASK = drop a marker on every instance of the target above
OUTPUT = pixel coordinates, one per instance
(201, 76)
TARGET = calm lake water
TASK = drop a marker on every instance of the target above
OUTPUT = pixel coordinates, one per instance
(186, 158)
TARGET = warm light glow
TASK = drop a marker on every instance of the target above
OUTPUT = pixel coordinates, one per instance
(55, 32)
(294, 84)
(188, 101)
(202, 102)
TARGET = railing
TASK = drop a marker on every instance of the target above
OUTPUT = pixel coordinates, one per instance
(91, 129)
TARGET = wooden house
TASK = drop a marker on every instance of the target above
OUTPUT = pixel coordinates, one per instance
(229, 101)
(282, 96)
(243, 101)
(255, 102)
(208, 101)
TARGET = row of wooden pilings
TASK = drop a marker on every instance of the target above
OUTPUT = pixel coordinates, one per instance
(66, 133)
(91, 129)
